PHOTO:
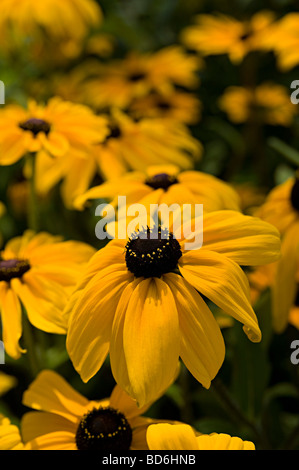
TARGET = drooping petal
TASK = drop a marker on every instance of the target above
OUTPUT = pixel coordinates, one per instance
(202, 346)
(151, 340)
(11, 316)
(91, 321)
(285, 285)
(223, 282)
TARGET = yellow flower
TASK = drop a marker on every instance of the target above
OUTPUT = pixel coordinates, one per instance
(268, 103)
(37, 273)
(66, 420)
(118, 82)
(135, 290)
(10, 437)
(179, 105)
(281, 209)
(165, 184)
(165, 436)
(70, 18)
(284, 40)
(56, 129)
(221, 34)
(129, 146)
(135, 145)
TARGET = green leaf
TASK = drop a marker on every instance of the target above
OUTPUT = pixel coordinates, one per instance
(288, 152)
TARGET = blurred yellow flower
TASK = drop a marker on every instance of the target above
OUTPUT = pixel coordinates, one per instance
(221, 34)
(165, 184)
(284, 40)
(130, 145)
(268, 103)
(119, 81)
(65, 420)
(10, 436)
(165, 436)
(136, 289)
(281, 209)
(135, 145)
(37, 273)
(178, 105)
(58, 128)
(67, 18)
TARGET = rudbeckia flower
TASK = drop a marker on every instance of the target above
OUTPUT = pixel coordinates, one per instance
(283, 40)
(70, 18)
(135, 145)
(37, 273)
(165, 436)
(223, 34)
(120, 81)
(281, 209)
(178, 105)
(166, 184)
(66, 420)
(10, 437)
(140, 299)
(268, 103)
(130, 145)
(56, 129)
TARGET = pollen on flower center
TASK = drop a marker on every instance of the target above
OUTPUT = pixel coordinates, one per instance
(295, 195)
(35, 126)
(12, 268)
(161, 180)
(104, 429)
(152, 256)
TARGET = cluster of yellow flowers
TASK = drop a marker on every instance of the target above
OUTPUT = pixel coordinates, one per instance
(123, 127)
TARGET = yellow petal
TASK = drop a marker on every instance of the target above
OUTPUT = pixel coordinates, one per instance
(48, 431)
(247, 240)
(11, 315)
(202, 346)
(285, 285)
(91, 320)
(223, 282)
(50, 392)
(151, 354)
(223, 442)
(164, 436)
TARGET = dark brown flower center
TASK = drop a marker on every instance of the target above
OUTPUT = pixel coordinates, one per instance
(104, 429)
(136, 76)
(152, 253)
(246, 35)
(35, 126)
(161, 180)
(295, 195)
(12, 268)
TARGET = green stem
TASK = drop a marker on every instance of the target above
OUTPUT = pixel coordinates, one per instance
(236, 414)
(33, 217)
(30, 346)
